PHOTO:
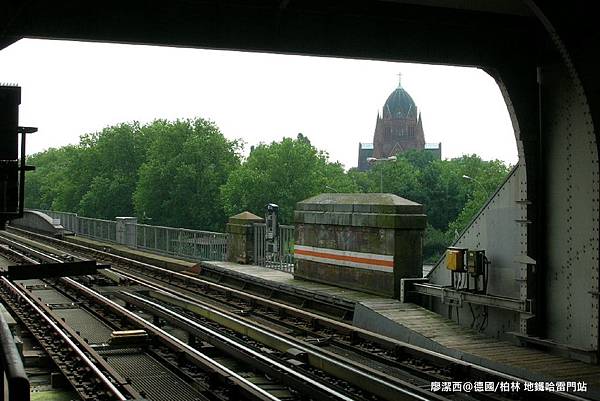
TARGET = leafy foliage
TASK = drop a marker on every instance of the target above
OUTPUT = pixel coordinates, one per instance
(283, 172)
(179, 182)
(170, 171)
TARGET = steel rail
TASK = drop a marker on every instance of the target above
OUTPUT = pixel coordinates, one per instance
(290, 310)
(255, 392)
(90, 364)
(27, 249)
(387, 389)
(9, 251)
(307, 383)
(471, 370)
(251, 389)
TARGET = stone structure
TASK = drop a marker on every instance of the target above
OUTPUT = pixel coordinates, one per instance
(240, 237)
(398, 128)
(366, 242)
(40, 222)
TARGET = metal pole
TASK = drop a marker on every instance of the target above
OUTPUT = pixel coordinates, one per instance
(381, 180)
(22, 176)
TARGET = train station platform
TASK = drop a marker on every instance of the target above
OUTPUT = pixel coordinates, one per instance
(406, 322)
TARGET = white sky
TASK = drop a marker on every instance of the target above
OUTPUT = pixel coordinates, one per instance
(70, 88)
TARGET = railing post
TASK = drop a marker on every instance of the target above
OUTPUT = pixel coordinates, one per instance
(126, 230)
(179, 247)
(240, 237)
(195, 248)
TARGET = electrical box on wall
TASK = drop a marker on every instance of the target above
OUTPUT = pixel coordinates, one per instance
(475, 262)
(455, 259)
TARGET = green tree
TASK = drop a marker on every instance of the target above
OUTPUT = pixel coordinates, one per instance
(283, 172)
(41, 184)
(112, 160)
(482, 183)
(186, 163)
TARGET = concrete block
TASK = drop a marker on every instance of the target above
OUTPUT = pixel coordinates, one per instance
(368, 242)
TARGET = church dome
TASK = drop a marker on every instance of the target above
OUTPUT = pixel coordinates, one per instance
(399, 104)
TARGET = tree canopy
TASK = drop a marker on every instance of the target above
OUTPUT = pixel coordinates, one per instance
(283, 172)
(186, 164)
(169, 171)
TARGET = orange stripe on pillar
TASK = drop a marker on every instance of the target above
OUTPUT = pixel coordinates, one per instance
(355, 259)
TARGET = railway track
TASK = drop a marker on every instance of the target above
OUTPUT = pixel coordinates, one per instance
(311, 383)
(176, 370)
(365, 365)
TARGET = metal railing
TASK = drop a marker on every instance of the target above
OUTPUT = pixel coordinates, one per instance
(191, 244)
(105, 230)
(283, 259)
(181, 242)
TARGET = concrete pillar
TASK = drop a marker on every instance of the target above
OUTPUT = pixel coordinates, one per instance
(127, 231)
(366, 242)
(240, 237)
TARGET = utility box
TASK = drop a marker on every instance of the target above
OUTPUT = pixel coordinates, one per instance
(455, 259)
(476, 262)
(272, 229)
(366, 242)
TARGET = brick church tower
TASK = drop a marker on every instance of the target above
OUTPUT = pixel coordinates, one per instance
(400, 127)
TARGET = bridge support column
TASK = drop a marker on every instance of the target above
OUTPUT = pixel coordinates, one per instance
(366, 242)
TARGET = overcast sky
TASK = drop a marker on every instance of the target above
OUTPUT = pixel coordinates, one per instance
(70, 88)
